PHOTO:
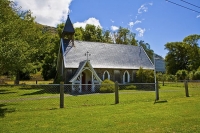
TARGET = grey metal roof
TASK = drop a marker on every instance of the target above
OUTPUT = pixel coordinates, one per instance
(103, 55)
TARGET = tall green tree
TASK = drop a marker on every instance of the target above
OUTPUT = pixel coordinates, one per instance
(121, 36)
(193, 40)
(92, 33)
(132, 39)
(50, 54)
(193, 51)
(50, 57)
(177, 57)
(59, 29)
(125, 36)
(79, 33)
(107, 37)
(21, 40)
(183, 55)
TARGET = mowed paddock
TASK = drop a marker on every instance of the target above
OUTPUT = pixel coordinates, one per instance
(36, 108)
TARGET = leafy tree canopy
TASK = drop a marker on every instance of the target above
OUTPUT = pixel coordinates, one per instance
(23, 43)
(183, 55)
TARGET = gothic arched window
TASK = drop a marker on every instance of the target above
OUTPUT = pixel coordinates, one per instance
(106, 75)
(126, 77)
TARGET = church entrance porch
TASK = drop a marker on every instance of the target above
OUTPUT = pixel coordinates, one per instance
(86, 83)
(85, 78)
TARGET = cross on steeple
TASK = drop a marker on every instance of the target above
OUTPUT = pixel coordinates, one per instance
(87, 54)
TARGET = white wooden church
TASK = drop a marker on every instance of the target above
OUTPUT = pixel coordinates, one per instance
(89, 63)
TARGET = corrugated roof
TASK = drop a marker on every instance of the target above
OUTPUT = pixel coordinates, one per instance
(103, 55)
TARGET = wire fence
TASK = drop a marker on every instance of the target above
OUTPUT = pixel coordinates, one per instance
(37, 97)
(29, 82)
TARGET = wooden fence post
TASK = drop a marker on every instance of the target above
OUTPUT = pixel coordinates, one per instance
(61, 94)
(157, 91)
(116, 92)
(186, 89)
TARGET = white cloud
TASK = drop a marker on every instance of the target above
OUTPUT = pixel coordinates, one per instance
(92, 21)
(151, 4)
(144, 8)
(141, 31)
(112, 20)
(131, 24)
(47, 12)
(198, 16)
(137, 21)
(114, 28)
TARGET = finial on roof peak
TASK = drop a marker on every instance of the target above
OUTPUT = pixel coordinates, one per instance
(68, 13)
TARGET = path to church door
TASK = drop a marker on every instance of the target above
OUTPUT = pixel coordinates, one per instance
(83, 82)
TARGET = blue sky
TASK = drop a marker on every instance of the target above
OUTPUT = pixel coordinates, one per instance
(154, 21)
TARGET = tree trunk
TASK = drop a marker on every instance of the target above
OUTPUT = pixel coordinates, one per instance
(17, 78)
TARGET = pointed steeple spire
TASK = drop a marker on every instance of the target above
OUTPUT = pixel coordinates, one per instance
(68, 29)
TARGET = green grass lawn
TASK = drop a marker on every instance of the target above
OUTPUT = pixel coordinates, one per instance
(136, 112)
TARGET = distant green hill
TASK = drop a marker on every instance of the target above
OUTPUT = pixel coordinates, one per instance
(48, 28)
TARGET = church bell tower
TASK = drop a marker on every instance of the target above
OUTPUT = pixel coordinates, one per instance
(68, 31)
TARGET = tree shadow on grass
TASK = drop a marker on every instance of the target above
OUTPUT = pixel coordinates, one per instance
(160, 101)
(6, 92)
(41, 90)
(4, 110)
